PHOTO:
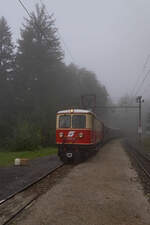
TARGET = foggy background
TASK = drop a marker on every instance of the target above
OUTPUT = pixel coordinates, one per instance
(111, 38)
(105, 41)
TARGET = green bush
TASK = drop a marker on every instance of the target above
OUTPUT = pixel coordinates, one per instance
(26, 136)
(48, 137)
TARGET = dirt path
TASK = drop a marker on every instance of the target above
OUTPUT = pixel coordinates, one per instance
(102, 191)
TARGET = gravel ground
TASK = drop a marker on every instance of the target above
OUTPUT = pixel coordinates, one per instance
(13, 205)
(15, 178)
(102, 191)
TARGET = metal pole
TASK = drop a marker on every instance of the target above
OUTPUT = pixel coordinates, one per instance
(139, 100)
(140, 122)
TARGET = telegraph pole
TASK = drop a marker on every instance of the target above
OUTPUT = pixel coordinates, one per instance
(139, 100)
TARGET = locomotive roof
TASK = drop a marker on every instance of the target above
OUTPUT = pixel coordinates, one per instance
(74, 111)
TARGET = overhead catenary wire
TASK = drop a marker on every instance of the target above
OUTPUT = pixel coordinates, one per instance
(146, 89)
(37, 25)
(62, 39)
(66, 47)
(46, 37)
(133, 93)
(145, 77)
(23, 6)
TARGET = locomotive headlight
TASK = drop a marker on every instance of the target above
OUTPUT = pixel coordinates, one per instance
(80, 135)
(71, 110)
(61, 134)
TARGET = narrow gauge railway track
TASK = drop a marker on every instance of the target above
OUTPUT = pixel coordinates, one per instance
(141, 160)
(3, 203)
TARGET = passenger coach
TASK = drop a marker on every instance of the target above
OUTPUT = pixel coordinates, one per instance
(78, 133)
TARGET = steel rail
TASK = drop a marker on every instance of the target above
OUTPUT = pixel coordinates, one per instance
(147, 158)
(144, 156)
(19, 211)
(30, 185)
(142, 167)
(24, 189)
(134, 155)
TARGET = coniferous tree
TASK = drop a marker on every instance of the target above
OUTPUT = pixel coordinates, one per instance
(6, 78)
(39, 56)
(44, 84)
(36, 83)
(6, 52)
(39, 59)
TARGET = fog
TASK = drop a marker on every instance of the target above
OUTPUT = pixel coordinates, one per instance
(110, 38)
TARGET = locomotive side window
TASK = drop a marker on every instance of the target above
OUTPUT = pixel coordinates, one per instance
(79, 121)
(65, 121)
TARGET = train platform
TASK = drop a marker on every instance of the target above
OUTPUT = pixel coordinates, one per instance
(105, 190)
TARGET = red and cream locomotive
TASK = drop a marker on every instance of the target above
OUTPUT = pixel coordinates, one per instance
(78, 134)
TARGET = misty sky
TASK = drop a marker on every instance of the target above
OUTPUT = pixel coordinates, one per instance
(111, 38)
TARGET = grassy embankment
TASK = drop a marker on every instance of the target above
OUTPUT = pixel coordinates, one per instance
(146, 144)
(7, 158)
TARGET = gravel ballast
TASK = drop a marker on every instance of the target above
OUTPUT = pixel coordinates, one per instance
(102, 191)
(15, 178)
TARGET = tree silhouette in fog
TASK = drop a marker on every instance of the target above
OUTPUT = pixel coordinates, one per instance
(40, 82)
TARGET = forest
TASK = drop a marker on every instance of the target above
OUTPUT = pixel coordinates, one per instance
(35, 82)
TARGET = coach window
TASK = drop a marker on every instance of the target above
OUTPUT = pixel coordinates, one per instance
(65, 121)
(79, 121)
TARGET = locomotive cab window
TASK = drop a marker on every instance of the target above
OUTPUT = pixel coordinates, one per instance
(79, 121)
(65, 121)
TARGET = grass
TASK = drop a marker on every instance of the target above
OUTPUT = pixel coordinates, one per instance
(146, 144)
(7, 158)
